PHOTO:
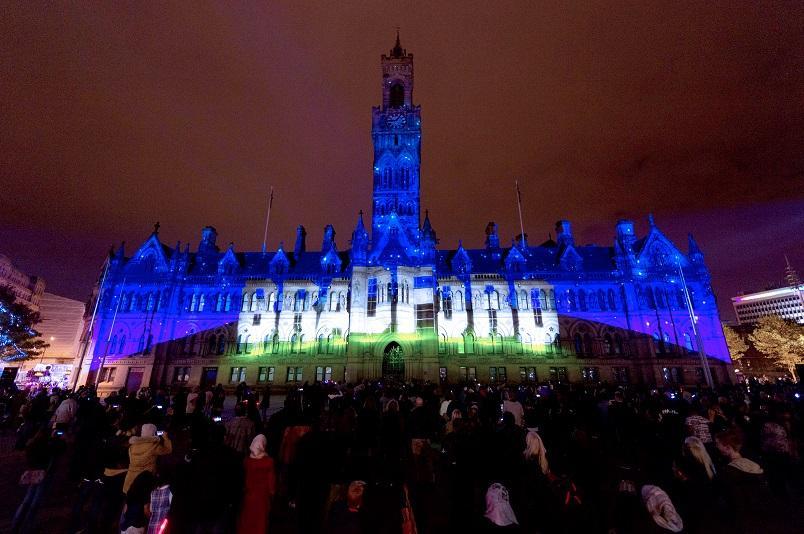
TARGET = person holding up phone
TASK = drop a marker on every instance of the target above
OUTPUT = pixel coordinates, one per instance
(143, 450)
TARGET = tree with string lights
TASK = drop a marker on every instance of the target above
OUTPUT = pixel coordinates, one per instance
(19, 340)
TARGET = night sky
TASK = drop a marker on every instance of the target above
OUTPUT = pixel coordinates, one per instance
(116, 115)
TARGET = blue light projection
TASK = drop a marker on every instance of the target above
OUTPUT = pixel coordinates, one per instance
(171, 307)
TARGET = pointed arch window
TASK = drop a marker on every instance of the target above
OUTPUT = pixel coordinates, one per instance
(688, 343)
(459, 301)
(112, 345)
(202, 301)
(151, 302)
(612, 300)
(272, 301)
(618, 344)
(577, 341)
(468, 343)
(246, 302)
(522, 301)
(221, 344)
(275, 343)
(608, 345)
(121, 349)
(255, 303)
(582, 299)
(601, 300)
(571, 300)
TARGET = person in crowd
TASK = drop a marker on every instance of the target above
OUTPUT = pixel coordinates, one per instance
(65, 414)
(499, 515)
(259, 489)
(698, 424)
(513, 406)
(143, 451)
(134, 519)
(159, 505)
(41, 454)
(347, 515)
(240, 431)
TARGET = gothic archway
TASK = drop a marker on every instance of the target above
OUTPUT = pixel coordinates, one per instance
(393, 362)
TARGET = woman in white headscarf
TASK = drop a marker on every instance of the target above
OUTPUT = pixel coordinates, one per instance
(260, 486)
(498, 507)
(660, 508)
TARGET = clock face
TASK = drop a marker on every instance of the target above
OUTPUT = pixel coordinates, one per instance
(395, 120)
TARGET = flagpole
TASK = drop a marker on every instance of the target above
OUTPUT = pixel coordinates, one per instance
(267, 218)
(693, 321)
(519, 208)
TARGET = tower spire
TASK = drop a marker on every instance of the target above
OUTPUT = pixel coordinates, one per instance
(397, 50)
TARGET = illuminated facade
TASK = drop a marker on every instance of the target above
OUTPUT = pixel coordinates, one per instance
(395, 305)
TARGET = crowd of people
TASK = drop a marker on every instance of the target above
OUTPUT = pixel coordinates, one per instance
(379, 457)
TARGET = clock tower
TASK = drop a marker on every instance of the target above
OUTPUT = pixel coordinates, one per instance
(396, 133)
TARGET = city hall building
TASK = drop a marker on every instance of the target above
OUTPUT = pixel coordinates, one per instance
(388, 302)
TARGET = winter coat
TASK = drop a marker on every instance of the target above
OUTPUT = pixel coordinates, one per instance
(142, 453)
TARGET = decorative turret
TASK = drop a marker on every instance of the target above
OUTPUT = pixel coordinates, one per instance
(564, 234)
(694, 254)
(207, 243)
(301, 242)
(329, 238)
(492, 238)
(428, 239)
(360, 241)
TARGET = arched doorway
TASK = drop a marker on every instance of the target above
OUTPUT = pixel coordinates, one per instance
(393, 362)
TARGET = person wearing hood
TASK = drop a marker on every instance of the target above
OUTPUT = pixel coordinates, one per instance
(742, 481)
(499, 514)
(143, 451)
(259, 489)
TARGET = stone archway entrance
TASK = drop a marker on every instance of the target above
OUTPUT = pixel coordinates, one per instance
(393, 362)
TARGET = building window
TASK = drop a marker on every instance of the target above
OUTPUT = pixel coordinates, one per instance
(294, 374)
(558, 374)
(608, 346)
(492, 374)
(492, 322)
(468, 343)
(442, 374)
(497, 375)
(256, 319)
(238, 375)
(446, 302)
(297, 322)
(323, 374)
(591, 375)
(181, 374)
(459, 301)
(262, 374)
(107, 374)
(442, 343)
(621, 375)
(468, 373)
(672, 375)
(527, 374)
(424, 317)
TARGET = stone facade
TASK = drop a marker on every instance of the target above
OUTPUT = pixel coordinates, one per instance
(396, 305)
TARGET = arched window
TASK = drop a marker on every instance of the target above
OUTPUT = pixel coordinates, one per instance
(588, 345)
(618, 344)
(221, 344)
(272, 302)
(136, 302)
(582, 299)
(228, 305)
(247, 343)
(649, 300)
(522, 301)
(151, 302)
(658, 342)
(112, 345)
(578, 342)
(219, 302)
(294, 339)
(212, 344)
(458, 301)
(266, 342)
(659, 298)
(124, 301)
(601, 300)
(275, 343)
(612, 300)
(320, 346)
(518, 343)
(202, 301)
(468, 343)
(396, 96)
(246, 302)
(121, 349)
(255, 303)
(330, 343)
(608, 345)
(191, 348)
(571, 300)
(688, 342)
(551, 303)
